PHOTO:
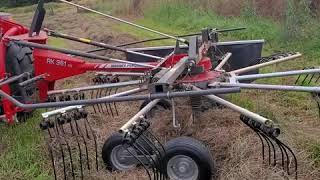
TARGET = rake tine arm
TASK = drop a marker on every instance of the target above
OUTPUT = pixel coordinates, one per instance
(236, 108)
(154, 96)
(71, 108)
(97, 44)
(276, 74)
(78, 53)
(258, 66)
(268, 87)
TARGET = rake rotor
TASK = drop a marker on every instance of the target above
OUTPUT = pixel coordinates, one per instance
(201, 70)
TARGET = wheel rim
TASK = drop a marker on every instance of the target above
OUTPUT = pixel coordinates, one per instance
(119, 158)
(182, 167)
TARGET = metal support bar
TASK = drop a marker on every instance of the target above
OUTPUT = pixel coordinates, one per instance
(239, 109)
(224, 61)
(138, 116)
(268, 87)
(276, 74)
(167, 95)
(14, 78)
(258, 66)
(70, 108)
(102, 86)
(77, 53)
(120, 74)
(33, 80)
(97, 44)
(125, 22)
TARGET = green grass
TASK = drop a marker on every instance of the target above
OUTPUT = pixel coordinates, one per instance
(23, 156)
(23, 150)
(315, 154)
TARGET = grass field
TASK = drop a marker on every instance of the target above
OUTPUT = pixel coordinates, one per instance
(22, 154)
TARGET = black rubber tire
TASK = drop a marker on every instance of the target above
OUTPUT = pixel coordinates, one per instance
(113, 141)
(19, 60)
(193, 149)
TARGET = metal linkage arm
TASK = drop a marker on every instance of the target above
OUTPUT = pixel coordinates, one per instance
(276, 74)
(167, 95)
(113, 85)
(78, 53)
(247, 113)
(97, 44)
(70, 108)
(13, 79)
(269, 87)
(258, 66)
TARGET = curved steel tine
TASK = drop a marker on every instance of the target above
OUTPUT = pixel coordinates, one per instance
(59, 126)
(269, 148)
(80, 151)
(106, 104)
(95, 142)
(274, 151)
(96, 97)
(294, 159)
(161, 154)
(154, 137)
(100, 96)
(52, 160)
(62, 154)
(312, 76)
(283, 151)
(85, 144)
(157, 152)
(109, 93)
(297, 80)
(144, 166)
(115, 104)
(317, 78)
(138, 148)
(262, 143)
(49, 132)
(306, 77)
(93, 106)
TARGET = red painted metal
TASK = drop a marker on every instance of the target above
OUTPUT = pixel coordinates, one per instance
(59, 66)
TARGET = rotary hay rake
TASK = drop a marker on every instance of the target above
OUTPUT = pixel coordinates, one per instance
(200, 68)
